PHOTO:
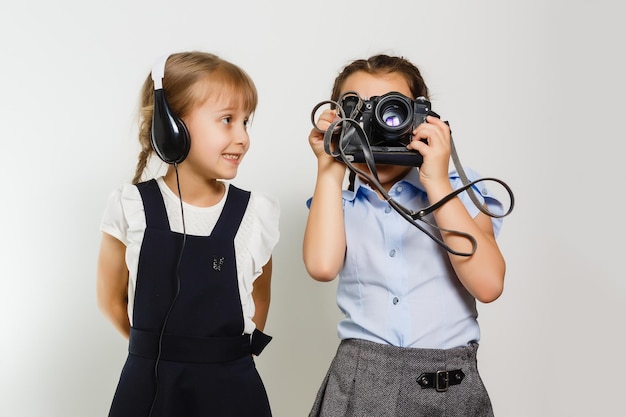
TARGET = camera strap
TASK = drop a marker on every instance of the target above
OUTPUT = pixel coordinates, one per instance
(348, 127)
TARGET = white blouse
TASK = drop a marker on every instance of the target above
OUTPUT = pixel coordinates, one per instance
(124, 219)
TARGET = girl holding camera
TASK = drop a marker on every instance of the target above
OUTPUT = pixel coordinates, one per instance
(410, 334)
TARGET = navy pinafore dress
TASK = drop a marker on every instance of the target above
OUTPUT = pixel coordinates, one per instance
(205, 365)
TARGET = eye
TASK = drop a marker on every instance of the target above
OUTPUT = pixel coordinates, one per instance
(226, 120)
(246, 122)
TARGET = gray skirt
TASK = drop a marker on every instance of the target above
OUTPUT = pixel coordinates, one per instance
(371, 379)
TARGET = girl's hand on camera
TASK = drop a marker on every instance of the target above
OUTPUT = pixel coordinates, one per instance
(436, 151)
(326, 164)
(316, 137)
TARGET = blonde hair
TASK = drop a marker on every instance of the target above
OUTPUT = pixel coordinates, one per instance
(190, 79)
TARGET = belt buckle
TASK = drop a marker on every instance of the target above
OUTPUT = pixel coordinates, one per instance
(442, 381)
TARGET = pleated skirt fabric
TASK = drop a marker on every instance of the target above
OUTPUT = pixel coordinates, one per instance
(371, 379)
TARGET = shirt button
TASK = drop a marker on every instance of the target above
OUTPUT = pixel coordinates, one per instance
(399, 188)
(395, 300)
(387, 209)
(484, 191)
(392, 253)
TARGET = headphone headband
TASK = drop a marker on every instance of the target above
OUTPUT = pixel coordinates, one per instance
(158, 72)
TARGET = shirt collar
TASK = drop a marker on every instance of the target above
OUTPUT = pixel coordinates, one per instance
(412, 178)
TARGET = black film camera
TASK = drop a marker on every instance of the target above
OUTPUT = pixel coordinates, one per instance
(387, 122)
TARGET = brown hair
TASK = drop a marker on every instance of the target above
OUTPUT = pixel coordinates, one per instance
(190, 79)
(383, 64)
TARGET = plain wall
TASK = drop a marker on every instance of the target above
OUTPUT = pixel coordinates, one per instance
(534, 92)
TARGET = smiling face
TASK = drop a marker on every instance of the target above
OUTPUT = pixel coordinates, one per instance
(367, 86)
(219, 137)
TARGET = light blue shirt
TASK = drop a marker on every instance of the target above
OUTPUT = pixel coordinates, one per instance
(397, 285)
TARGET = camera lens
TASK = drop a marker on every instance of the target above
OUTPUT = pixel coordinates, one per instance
(394, 115)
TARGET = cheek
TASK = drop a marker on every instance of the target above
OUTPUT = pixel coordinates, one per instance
(204, 145)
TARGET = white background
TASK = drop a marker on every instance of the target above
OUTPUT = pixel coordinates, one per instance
(534, 91)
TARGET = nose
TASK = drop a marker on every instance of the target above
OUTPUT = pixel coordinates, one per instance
(242, 137)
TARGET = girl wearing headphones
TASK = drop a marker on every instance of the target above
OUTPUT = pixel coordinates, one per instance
(185, 260)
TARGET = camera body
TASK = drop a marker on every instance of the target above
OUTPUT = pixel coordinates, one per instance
(388, 122)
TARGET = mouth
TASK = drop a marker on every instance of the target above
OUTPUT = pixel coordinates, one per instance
(232, 156)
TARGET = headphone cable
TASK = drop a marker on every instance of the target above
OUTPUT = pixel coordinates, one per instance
(180, 257)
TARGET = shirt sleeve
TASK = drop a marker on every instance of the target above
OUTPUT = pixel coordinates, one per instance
(266, 233)
(123, 214)
(483, 195)
(113, 220)
(255, 241)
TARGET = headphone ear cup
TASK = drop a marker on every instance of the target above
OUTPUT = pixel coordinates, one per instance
(169, 136)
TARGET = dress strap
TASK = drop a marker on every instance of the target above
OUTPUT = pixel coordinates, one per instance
(232, 213)
(154, 207)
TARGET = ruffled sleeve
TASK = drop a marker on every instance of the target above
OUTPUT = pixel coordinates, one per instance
(124, 216)
(113, 221)
(265, 233)
(257, 236)
(134, 213)
(124, 219)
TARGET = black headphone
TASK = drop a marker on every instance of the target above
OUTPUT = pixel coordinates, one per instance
(169, 135)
